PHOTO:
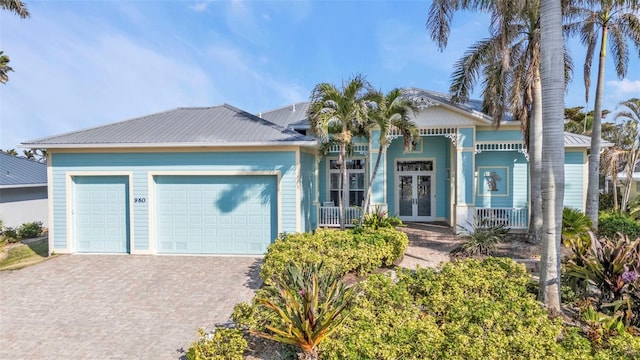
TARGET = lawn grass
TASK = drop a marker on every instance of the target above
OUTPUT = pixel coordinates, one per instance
(25, 255)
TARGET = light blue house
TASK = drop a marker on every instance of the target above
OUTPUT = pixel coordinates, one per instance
(219, 180)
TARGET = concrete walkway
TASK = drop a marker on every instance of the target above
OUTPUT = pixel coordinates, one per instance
(118, 306)
(429, 244)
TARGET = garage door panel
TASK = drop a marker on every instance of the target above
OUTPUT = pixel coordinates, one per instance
(215, 214)
(101, 213)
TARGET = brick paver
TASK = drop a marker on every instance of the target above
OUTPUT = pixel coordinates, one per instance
(118, 306)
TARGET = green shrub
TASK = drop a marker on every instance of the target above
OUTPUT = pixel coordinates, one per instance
(223, 344)
(307, 305)
(10, 235)
(575, 226)
(339, 251)
(613, 267)
(468, 309)
(485, 310)
(634, 208)
(605, 201)
(611, 223)
(480, 239)
(385, 323)
(380, 218)
(30, 230)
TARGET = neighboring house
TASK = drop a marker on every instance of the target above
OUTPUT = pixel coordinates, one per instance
(622, 179)
(219, 180)
(23, 191)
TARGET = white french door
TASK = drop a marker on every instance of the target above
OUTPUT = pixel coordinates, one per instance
(415, 195)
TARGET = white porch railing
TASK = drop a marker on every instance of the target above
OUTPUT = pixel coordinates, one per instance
(330, 216)
(514, 218)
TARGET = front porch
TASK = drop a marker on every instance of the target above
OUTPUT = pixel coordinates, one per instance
(512, 218)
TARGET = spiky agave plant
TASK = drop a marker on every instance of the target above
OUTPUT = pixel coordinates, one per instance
(308, 305)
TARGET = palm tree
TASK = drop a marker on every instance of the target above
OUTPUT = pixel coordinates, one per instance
(339, 115)
(4, 68)
(392, 112)
(611, 21)
(553, 87)
(630, 144)
(20, 9)
(611, 159)
(509, 62)
(15, 6)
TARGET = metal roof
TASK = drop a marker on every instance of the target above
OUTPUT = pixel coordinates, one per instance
(572, 140)
(429, 98)
(222, 125)
(294, 115)
(21, 172)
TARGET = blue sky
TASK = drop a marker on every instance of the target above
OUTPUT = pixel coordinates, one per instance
(79, 64)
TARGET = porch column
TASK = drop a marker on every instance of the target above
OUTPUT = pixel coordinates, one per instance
(465, 178)
(378, 191)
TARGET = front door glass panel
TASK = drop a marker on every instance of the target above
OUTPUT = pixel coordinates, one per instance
(424, 195)
(405, 192)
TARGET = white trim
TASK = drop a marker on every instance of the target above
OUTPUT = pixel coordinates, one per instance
(433, 173)
(328, 176)
(72, 245)
(479, 176)
(164, 145)
(298, 192)
(51, 234)
(152, 188)
(17, 186)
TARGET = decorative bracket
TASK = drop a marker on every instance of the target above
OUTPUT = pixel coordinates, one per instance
(454, 137)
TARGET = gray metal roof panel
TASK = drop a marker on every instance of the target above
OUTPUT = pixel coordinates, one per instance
(204, 126)
(288, 116)
(16, 171)
(575, 140)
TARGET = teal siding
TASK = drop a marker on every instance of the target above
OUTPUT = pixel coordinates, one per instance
(322, 180)
(518, 178)
(574, 176)
(308, 187)
(377, 195)
(498, 135)
(434, 147)
(465, 178)
(140, 163)
(466, 137)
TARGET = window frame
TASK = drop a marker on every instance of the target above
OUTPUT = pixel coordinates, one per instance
(331, 172)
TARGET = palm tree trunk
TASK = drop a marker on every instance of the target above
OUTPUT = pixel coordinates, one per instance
(343, 182)
(593, 189)
(631, 161)
(535, 165)
(367, 199)
(552, 191)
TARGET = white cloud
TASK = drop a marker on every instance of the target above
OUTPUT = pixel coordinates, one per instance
(200, 6)
(624, 87)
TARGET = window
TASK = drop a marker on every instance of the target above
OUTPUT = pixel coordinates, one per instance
(354, 185)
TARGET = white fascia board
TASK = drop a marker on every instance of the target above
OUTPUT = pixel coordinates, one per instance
(171, 145)
(15, 186)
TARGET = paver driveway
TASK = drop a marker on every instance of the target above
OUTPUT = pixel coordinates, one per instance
(118, 306)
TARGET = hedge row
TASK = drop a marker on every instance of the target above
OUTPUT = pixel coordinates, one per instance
(360, 251)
